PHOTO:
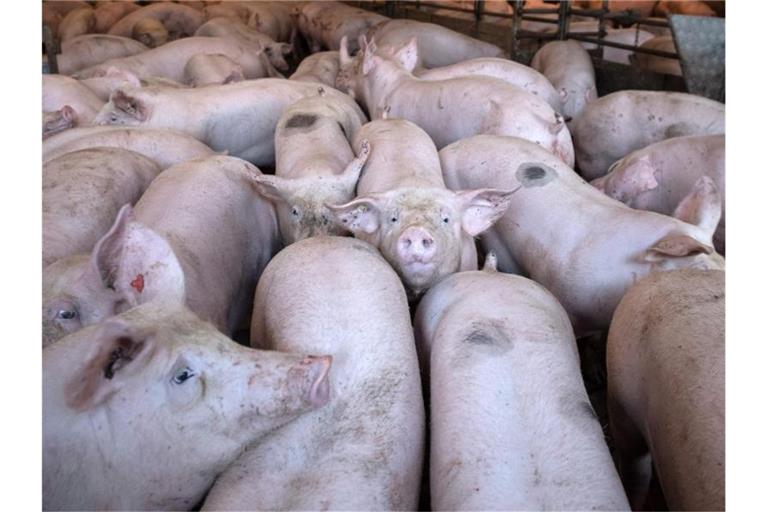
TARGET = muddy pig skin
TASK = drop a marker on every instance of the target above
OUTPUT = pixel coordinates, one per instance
(145, 410)
(166, 147)
(615, 125)
(404, 209)
(239, 118)
(666, 388)
(82, 193)
(500, 355)
(569, 68)
(199, 232)
(658, 177)
(364, 449)
(563, 233)
(92, 49)
(315, 166)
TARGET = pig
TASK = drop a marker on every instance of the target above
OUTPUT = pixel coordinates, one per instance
(60, 90)
(200, 231)
(621, 122)
(82, 193)
(449, 110)
(438, 46)
(212, 69)
(55, 11)
(364, 449)
(324, 24)
(665, 8)
(629, 36)
(76, 23)
(109, 13)
(583, 246)
(92, 49)
(179, 20)
(236, 10)
(314, 166)
(404, 209)
(114, 78)
(272, 18)
(666, 388)
(150, 32)
(175, 401)
(569, 68)
(168, 61)
(322, 67)
(239, 117)
(165, 147)
(656, 63)
(58, 121)
(659, 176)
(229, 27)
(502, 357)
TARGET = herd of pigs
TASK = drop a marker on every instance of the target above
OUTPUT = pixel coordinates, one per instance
(382, 366)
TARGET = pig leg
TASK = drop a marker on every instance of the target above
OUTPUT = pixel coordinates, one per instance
(632, 456)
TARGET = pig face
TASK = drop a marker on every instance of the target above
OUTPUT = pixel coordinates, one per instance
(130, 265)
(276, 53)
(124, 108)
(421, 232)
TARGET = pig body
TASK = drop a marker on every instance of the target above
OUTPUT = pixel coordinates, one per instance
(272, 18)
(324, 24)
(114, 78)
(506, 70)
(168, 61)
(109, 13)
(449, 110)
(239, 118)
(569, 68)
(58, 120)
(488, 339)
(583, 246)
(179, 20)
(166, 147)
(403, 208)
(82, 193)
(322, 67)
(666, 388)
(362, 451)
(658, 177)
(229, 27)
(213, 69)
(183, 400)
(621, 122)
(55, 11)
(200, 231)
(656, 63)
(76, 23)
(438, 46)
(150, 32)
(92, 49)
(314, 166)
(60, 90)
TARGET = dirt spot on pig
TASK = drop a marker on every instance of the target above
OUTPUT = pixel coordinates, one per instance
(535, 174)
(301, 121)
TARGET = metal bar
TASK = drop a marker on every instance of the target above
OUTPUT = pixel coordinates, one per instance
(554, 10)
(563, 19)
(528, 34)
(450, 8)
(601, 27)
(650, 51)
(514, 47)
(51, 49)
(479, 7)
(542, 20)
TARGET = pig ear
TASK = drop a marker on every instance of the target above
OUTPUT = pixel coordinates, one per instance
(563, 94)
(640, 176)
(702, 206)
(285, 48)
(344, 58)
(351, 174)
(274, 188)
(408, 55)
(137, 263)
(130, 105)
(132, 79)
(359, 216)
(676, 245)
(370, 61)
(120, 352)
(482, 207)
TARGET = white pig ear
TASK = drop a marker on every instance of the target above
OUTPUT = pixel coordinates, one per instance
(702, 206)
(351, 174)
(370, 61)
(676, 245)
(273, 188)
(137, 263)
(408, 55)
(132, 79)
(358, 216)
(641, 175)
(482, 207)
(129, 104)
(344, 58)
(120, 351)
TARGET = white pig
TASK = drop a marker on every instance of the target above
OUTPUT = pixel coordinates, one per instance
(60, 90)
(115, 78)
(404, 209)
(315, 166)
(274, 19)
(145, 410)
(178, 19)
(658, 177)
(666, 388)
(82, 193)
(319, 67)
(364, 450)
(324, 24)
(502, 360)
(230, 27)
(583, 246)
(92, 49)
(569, 68)
(213, 69)
(621, 122)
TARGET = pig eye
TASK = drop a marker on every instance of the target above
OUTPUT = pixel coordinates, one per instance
(183, 375)
(113, 118)
(446, 220)
(295, 211)
(66, 314)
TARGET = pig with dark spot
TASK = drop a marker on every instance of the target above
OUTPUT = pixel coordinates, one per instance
(82, 193)
(498, 353)
(200, 232)
(230, 27)
(58, 121)
(145, 410)
(315, 166)
(613, 126)
(92, 49)
(179, 20)
(404, 209)
(364, 449)
(666, 389)
(584, 247)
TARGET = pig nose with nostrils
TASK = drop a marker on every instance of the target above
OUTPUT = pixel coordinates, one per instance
(416, 245)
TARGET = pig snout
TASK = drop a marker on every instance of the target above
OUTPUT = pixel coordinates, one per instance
(416, 245)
